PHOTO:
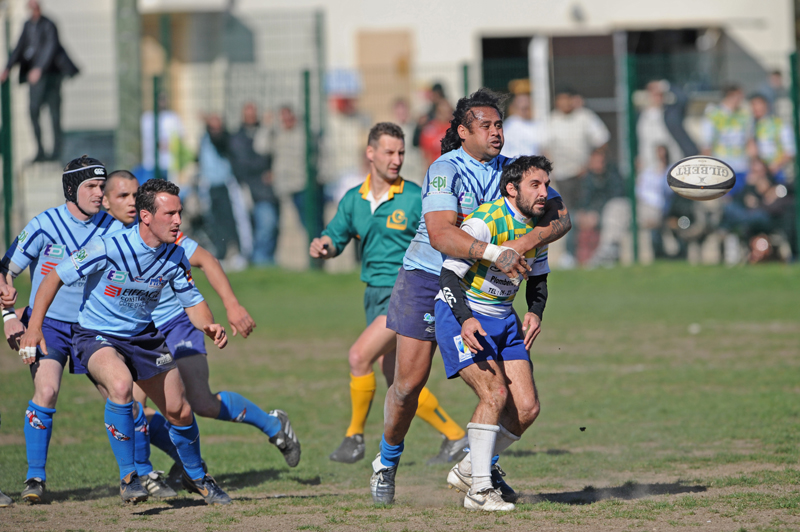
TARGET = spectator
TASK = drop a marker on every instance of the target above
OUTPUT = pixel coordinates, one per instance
(412, 165)
(252, 169)
(43, 64)
(430, 139)
(170, 140)
(726, 129)
(652, 131)
(216, 173)
(773, 140)
(436, 95)
(523, 135)
(574, 133)
(601, 185)
(289, 161)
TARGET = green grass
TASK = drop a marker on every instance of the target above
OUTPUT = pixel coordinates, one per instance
(677, 424)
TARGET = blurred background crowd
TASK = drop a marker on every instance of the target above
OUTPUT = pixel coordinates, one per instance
(239, 105)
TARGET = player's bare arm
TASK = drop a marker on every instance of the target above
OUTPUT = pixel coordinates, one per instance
(33, 336)
(554, 224)
(322, 248)
(448, 239)
(12, 326)
(238, 317)
(201, 317)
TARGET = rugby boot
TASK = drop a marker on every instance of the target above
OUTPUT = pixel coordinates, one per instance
(488, 500)
(350, 451)
(459, 481)
(508, 494)
(34, 491)
(5, 500)
(286, 440)
(381, 484)
(154, 484)
(208, 488)
(175, 474)
(451, 451)
(131, 489)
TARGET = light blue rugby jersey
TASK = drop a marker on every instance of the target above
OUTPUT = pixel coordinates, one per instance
(454, 182)
(46, 241)
(124, 280)
(169, 307)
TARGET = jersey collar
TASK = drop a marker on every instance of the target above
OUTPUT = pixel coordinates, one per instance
(394, 188)
(467, 157)
(137, 237)
(517, 216)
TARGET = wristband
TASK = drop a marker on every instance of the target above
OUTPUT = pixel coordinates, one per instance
(9, 314)
(491, 253)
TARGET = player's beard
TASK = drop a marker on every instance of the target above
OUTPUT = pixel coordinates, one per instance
(529, 210)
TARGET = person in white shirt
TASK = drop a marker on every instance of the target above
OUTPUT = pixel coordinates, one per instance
(523, 134)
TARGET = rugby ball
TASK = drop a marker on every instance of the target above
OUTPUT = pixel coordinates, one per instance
(701, 178)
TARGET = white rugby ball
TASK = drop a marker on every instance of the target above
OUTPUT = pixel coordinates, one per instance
(701, 178)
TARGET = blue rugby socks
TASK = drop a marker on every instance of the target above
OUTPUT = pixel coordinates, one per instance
(119, 426)
(159, 436)
(141, 443)
(390, 454)
(38, 429)
(187, 441)
(239, 409)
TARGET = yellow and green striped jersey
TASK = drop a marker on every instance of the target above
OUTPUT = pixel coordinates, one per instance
(488, 290)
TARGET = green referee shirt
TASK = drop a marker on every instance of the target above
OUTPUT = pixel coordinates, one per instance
(385, 227)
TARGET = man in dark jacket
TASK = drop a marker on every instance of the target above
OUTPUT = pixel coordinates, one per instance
(43, 63)
(252, 169)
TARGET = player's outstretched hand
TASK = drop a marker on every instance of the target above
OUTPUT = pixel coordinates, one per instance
(319, 249)
(8, 296)
(240, 321)
(531, 326)
(27, 345)
(13, 329)
(468, 330)
(512, 261)
(216, 332)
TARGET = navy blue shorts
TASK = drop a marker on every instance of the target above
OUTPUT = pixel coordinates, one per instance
(503, 340)
(58, 337)
(183, 338)
(146, 354)
(411, 306)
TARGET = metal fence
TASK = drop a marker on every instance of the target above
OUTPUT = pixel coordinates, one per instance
(606, 121)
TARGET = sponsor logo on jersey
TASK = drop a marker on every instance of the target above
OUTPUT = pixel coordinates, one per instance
(164, 360)
(183, 345)
(102, 340)
(34, 421)
(431, 321)
(449, 298)
(240, 417)
(119, 436)
(439, 183)
(55, 251)
(48, 267)
(189, 277)
(117, 276)
(81, 255)
(467, 200)
(112, 291)
(22, 236)
(152, 282)
(397, 220)
(99, 171)
(464, 353)
(139, 299)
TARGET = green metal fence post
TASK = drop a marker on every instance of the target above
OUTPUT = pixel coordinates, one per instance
(465, 74)
(156, 132)
(630, 66)
(312, 214)
(796, 119)
(5, 146)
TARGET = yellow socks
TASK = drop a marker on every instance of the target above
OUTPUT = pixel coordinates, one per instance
(429, 410)
(362, 390)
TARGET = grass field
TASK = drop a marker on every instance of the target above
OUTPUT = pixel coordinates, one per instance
(682, 430)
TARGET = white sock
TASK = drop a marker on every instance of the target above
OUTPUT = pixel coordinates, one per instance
(504, 440)
(482, 440)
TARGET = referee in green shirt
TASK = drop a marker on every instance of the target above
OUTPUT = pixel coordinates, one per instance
(383, 214)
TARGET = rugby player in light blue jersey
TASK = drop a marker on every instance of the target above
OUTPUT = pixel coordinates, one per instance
(188, 349)
(47, 241)
(465, 176)
(115, 337)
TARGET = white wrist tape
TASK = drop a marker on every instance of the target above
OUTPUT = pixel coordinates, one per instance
(9, 314)
(492, 252)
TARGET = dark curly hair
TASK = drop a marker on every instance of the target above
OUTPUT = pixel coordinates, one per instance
(463, 115)
(513, 172)
(146, 195)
